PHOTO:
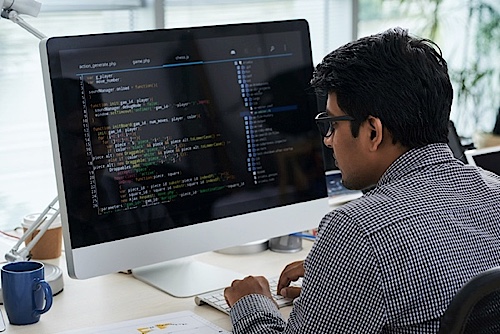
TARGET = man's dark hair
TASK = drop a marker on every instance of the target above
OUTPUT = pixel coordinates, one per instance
(400, 79)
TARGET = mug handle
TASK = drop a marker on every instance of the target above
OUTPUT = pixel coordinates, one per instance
(47, 291)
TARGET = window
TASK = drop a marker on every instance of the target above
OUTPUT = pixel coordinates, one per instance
(467, 33)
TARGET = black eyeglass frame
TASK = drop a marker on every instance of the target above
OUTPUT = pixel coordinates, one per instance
(325, 122)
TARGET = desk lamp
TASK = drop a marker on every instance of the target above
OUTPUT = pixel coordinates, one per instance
(53, 274)
(11, 9)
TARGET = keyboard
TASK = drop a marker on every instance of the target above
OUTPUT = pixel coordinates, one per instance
(216, 298)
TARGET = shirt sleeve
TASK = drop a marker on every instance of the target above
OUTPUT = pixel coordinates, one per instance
(341, 290)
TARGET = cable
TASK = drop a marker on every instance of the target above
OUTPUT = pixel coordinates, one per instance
(304, 236)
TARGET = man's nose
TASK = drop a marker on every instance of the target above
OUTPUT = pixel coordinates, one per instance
(327, 141)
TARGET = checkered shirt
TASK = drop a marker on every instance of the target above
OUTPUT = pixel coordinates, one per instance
(390, 261)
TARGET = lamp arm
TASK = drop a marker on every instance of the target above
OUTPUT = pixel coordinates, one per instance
(24, 254)
(14, 17)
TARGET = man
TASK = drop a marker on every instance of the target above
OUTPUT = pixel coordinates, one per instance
(390, 261)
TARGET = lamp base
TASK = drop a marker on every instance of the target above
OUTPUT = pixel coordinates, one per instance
(53, 276)
(248, 248)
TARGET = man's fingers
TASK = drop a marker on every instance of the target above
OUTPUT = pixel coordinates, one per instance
(291, 273)
(248, 285)
(290, 292)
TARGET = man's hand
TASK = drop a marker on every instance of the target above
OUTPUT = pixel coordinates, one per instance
(249, 285)
(291, 273)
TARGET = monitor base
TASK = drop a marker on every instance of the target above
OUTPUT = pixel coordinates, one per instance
(185, 277)
(286, 244)
(248, 248)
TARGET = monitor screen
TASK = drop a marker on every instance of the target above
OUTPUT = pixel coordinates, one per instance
(168, 143)
(487, 158)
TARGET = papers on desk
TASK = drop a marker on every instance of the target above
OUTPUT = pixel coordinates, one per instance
(185, 322)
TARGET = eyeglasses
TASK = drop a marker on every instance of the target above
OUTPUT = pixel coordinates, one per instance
(325, 122)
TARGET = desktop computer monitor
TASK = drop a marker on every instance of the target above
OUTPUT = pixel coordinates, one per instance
(169, 143)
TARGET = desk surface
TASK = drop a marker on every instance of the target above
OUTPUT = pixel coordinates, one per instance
(119, 297)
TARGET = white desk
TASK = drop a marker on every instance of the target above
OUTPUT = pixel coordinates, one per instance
(118, 297)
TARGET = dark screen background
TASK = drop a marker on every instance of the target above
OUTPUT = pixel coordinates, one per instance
(163, 129)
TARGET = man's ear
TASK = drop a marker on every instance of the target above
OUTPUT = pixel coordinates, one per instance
(376, 133)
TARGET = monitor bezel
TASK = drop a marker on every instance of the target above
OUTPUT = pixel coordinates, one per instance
(118, 255)
(471, 154)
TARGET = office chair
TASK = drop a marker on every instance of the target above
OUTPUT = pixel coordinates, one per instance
(455, 143)
(475, 309)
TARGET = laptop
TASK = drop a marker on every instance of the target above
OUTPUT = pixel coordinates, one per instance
(337, 193)
(486, 158)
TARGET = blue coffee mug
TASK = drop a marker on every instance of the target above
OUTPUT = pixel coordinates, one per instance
(25, 293)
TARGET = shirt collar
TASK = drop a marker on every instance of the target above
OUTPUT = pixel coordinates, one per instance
(415, 160)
